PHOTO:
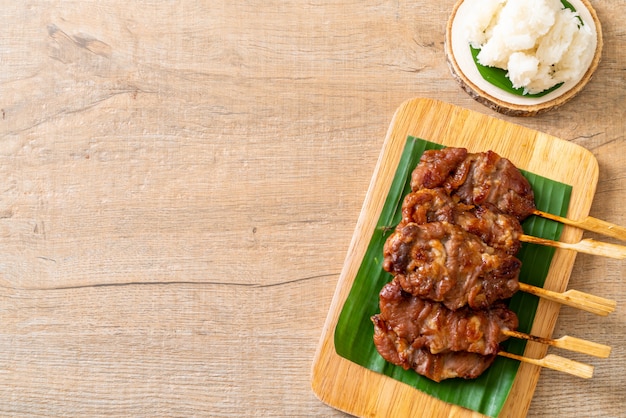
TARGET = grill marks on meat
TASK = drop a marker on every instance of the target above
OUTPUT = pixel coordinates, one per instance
(453, 260)
(425, 324)
(477, 179)
(436, 342)
(495, 180)
(436, 367)
(430, 205)
(436, 166)
(497, 229)
(442, 262)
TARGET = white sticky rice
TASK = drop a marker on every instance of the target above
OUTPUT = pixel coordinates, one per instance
(539, 42)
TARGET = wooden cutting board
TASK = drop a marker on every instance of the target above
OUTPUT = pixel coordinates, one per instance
(358, 391)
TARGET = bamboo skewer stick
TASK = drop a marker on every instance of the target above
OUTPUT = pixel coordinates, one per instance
(574, 298)
(555, 362)
(566, 342)
(590, 224)
(587, 246)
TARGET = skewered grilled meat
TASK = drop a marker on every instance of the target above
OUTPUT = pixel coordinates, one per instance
(442, 262)
(436, 367)
(497, 229)
(476, 179)
(452, 258)
(425, 324)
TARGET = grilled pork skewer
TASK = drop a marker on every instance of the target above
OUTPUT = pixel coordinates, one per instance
(459, 364)
(498, 229)
(422, 323)
(481, 178)
(440, 270)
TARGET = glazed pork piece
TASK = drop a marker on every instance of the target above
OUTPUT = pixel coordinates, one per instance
(452, 258)
(497, 229)
(424, 324)
(442, 262)
(431, 205)
(436, 166)
(436, 367)
(477, 179)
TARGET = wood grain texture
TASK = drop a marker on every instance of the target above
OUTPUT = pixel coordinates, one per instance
(179, 185)
(452, 126)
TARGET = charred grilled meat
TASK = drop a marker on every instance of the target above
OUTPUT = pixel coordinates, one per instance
(442, 262)
(497, 229)
(476, 179)
(425, 324)
(436, 367)
(452, 257)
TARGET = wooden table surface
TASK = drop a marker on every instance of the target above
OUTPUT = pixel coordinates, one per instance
(180, 181)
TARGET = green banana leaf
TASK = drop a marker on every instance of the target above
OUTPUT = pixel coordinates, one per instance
(354, 332)
(498, 76)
